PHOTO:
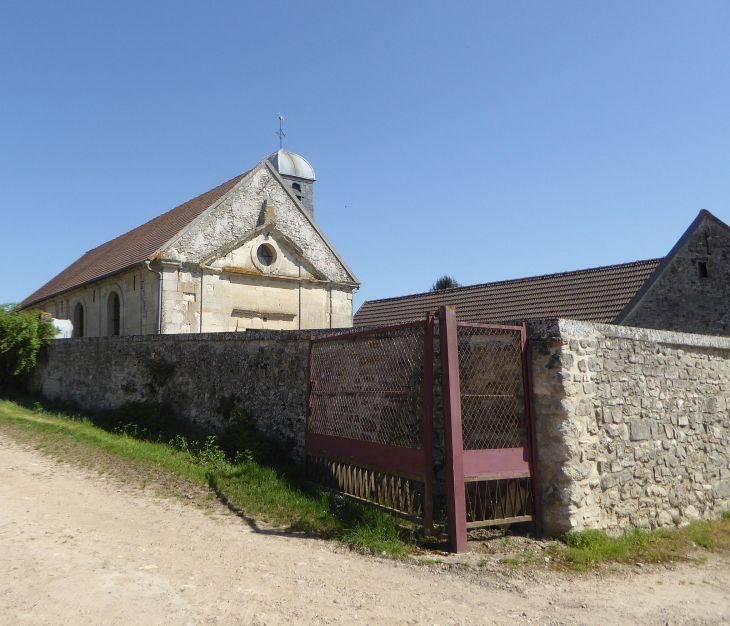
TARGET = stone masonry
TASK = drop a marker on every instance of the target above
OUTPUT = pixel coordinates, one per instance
(203, 378)
(210, 275)
(692, 286)
(633, 426)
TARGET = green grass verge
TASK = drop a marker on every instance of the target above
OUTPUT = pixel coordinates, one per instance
(250, 474)
(589, 548)
(248, 471)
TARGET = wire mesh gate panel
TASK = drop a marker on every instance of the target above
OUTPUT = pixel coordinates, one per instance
(488, 426)
(496, 424)
(495, 415)
(369, 411)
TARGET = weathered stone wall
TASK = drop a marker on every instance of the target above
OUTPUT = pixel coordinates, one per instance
(692, 293)
(305, 193)
(633, 426)
(227, 301)
(234, 296)
(201, 377)
(138, 298)
(238, 215)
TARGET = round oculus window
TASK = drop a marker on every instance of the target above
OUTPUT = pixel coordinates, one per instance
(265, 254)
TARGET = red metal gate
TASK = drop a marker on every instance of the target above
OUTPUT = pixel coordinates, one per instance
(489, 426)
(369, 417)
(369, 432)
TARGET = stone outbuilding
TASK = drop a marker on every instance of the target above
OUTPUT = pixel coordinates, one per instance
(245, 255)
(686, 291)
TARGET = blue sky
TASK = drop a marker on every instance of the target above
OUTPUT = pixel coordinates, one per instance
(485, 140)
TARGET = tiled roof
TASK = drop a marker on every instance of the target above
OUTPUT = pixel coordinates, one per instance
(597, 295)
(132, 248)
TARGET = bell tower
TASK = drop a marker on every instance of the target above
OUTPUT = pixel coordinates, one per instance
(298, 174)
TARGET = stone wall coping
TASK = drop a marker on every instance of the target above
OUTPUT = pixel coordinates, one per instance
(248, 335)
(553, 328)
(537, 329)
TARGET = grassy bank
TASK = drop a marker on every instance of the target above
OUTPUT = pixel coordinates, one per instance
(586, 549)
(250, 474)
(595, 549)
(247, 471)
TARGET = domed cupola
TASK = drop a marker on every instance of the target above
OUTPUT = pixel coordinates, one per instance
(298, 173)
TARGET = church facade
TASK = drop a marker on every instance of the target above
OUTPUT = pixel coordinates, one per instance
(245, 255)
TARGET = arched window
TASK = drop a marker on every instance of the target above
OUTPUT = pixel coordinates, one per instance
(79, 320)
(296, 186)
(113, 314)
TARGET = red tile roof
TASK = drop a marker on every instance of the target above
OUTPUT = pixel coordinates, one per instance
(597, 295)
(132, 248)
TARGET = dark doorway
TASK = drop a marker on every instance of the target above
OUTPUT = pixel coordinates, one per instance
(78, 320)
(113, 315)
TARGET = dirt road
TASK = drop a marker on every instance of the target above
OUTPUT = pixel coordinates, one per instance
(79, 548)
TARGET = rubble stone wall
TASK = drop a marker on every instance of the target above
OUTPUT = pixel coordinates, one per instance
(203, 378)
(633, 425)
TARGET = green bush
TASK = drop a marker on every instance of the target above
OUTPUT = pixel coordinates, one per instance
(22, 336)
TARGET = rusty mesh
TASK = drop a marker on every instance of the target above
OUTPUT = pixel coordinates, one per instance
(492, 392)
(369, 387)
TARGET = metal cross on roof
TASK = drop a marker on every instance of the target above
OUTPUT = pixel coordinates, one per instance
(281, 132)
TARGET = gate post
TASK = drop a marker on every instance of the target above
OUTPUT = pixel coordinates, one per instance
(428, 421)
(530, 406)
(455, 491)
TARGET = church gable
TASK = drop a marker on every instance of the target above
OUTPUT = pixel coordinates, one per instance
(247, 254)
(260, 202)
(266, 253)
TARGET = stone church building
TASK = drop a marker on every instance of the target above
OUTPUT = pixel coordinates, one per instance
(686, 291)
(245, 255)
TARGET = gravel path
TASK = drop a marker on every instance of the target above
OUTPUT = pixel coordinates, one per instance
(79, 548)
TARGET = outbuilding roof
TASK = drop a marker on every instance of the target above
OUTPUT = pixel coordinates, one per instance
(596, 295)
(132, 248)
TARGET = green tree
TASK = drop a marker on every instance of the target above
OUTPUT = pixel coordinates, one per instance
(22, 335)
(445, 282)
